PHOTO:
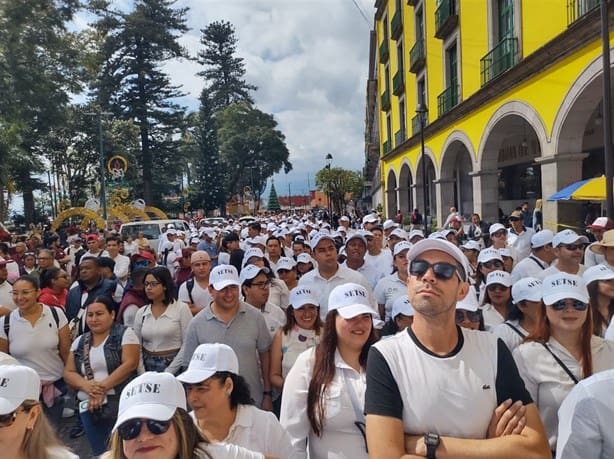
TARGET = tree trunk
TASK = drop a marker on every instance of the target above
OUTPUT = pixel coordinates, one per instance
(147, 163)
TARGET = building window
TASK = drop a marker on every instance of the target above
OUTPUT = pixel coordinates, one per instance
(389, 127)
(400, 134)
(419, 18)
(400, 57)
(421, 91)
(505, 19)
(451, 66)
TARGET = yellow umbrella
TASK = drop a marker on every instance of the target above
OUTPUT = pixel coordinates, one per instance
(591, 190)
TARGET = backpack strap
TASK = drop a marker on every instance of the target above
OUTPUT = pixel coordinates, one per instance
(189, 285)
(56, 317)
(560, 362)
(516, 329)
(7, 327)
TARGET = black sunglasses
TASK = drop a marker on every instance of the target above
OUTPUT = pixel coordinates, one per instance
(442, 270)
(7, 420)
(573, 247)
(472, 316)
(493, 264)
(131, 429)
(562, 304)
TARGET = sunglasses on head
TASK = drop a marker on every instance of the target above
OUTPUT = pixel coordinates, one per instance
(493, 264)
(472, 316)
(573, 247)
(131, 429)
(562, 304)
(442, 270)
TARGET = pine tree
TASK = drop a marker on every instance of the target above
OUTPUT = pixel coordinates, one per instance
(273, 204)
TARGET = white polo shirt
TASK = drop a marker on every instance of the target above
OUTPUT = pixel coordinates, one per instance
(531, 266)
(520, 242)
(37, 346)
(546, 380)
(258, 431)
(492, 317)
(552, 269)
(371, 273)
(340, 438)
(585, 419)
(383, 261)
(387, 290)
(165, 333)
(122, 267)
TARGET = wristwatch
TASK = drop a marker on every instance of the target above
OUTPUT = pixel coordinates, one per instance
(431, 440)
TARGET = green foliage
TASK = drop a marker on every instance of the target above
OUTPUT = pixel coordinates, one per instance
(273, 204)
(336, 182)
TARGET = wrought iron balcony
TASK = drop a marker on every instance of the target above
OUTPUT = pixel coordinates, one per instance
(398, 83)
(447, 100)
(415, 124)
(399, 137)
(501, 58)
(386, 147)
(417, 57)
(396, 25)
(446, 18)
(385, 100)
(576, 9)
(383, 52)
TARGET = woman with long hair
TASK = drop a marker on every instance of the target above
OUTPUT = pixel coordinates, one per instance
(37, 336)
(497, 300)
(562, 349)
(223, 408)
(153, 423)
(54, 283)
(489, 260)
(390, 287)
(161, 326)
(24, 430)
(600, 284)
(322, 402)
(101, 362)
(524, 313)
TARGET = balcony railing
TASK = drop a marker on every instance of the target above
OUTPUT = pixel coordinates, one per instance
(386, 147)
(383, 52)
(447, 100)
(417, 57)
(501, 58)
(396, 25)
(399, 137)
(415, 124)
(577, 9)
(446, 18)
(385, 101)
(398, 84)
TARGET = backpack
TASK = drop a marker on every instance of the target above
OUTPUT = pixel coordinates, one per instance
(189, 285)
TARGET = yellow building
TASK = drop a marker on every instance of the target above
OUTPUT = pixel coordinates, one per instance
(514, 96)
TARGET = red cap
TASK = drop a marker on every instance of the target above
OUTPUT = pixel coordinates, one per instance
(143, 254)
(91, 237)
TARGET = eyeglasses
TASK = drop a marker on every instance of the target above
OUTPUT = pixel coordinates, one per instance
(472, 316)
(442, 270)
(493, 287)
(22, 292)
(562, 304)
(151, 284)
(131, 429)
(265, 284)
(7, 420)
(493, 264)
(573, 247)
(499, 233)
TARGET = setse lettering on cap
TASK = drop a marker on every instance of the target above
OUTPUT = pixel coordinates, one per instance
(199, 356)
(225, 271)
(356, 292)
(563, 283)
(534, 284)
(4, 382)
(303, 291)
(145, 388)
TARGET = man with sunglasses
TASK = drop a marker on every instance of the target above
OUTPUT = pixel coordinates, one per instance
(437, 390)
(542, 254)
(519, 236)
(569, 250)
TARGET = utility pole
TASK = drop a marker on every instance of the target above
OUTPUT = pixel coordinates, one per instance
(607, 111)
(103, 182)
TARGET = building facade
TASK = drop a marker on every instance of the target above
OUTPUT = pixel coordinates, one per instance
(513, 90)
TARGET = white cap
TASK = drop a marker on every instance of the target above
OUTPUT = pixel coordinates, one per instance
(567, 236)
(369, 218)
(207, 360)
(495, 227)
(17, 384)
(344, 218)
(415, 233)
(302, 295)
(222, 276)
(319, 237)
(360, 234)
(341, 229)
(401, 305)
(285, 263)
(506, 253)
(271, 226)
(471, 245)
(489, 254)
(350, 300)
(447, 231)
(527, 288)
(597, 273)
(400, 233)
(599, 223)
(257, 240)
(561, 285)
(171, 231)
(437, 235)
(304, 258)
(390, 224)
(399, 247)
(499, 277)
(541, 238)
(470, 302)
(194, 240)
(252, 252)
(251, 271)
(442, 245)
(151, 395)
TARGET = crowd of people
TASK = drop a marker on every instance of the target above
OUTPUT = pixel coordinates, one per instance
(288, 337)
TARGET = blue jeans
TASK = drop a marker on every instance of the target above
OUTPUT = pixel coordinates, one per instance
(156, 362)
(98, 431)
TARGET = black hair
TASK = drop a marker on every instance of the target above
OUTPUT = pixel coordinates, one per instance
(113, 238)
(163, 275)
(256, 226)
(47, 276)
(106, 262)
(272, 238)
(109, 304)
(29, 278)
(240, 392)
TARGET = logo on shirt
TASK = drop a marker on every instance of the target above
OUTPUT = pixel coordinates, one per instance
(485, 387)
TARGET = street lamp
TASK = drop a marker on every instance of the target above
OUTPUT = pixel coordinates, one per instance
(103, 186)
(329, 160)
(422, 110)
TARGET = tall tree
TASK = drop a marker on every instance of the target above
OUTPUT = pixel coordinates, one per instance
(341, 185)
(251, 148)
(224, 72)
(132, 85)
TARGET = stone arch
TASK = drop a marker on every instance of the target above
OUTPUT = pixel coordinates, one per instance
(455, 183)
(405, 187)
(391, 193)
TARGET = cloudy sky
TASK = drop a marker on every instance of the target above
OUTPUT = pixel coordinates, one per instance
(309, 59)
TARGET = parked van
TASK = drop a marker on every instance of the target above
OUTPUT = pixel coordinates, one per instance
(151, 229)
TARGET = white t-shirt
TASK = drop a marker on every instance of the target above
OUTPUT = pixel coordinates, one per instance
(200, 295)
(382, 262)
(98, 363)
(492, 317)
(372, 273)
(274, 317)
(122, 267)
(510, 337)
(529, 267)
(225, 451)
(554, 270)
(37, 346)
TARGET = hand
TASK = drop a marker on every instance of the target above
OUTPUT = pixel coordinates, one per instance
(414, 445)
(508, 418)
(94, 403)
(267, 403)
(93, 388)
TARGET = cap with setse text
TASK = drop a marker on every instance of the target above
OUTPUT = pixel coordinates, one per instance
(567, 236)
(499, 277)
(561, 286)
(541, 238)
(285, 263)
(597, 273)
(222, 276)
(18, 383)
(302, 295)
(350, 300)
(208, 359)
(527, 289)
(402, 305)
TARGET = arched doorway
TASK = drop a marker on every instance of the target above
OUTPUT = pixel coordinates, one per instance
(406, 201)
(391, 194)
(456, 184)
(431, 198)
